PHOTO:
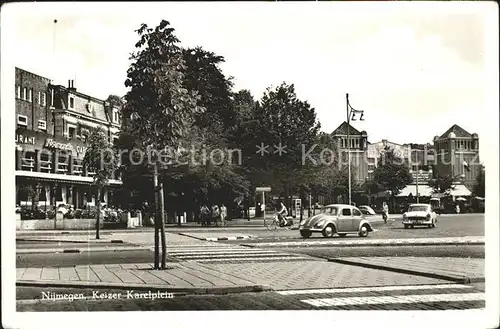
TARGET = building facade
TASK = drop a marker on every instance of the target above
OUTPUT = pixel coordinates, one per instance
(358, 149)
(52, 124)
(457, 154)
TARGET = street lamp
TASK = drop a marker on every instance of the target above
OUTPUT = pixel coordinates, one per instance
(351, 115)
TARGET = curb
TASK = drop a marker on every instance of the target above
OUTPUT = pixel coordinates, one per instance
(456, 279)
(66, 251)
(68, 240)
(221, 290)
(364, 244)
(230, 238)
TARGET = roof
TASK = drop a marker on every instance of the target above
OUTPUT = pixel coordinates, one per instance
(460, 190)
(459, 132)
(342, 130)
(339, 205)
(423, 190)
(419, 204)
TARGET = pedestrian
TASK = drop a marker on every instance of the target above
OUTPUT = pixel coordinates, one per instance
(215, 213)
(385, 212)
(457, 208)
(223, 214)
(205, 214)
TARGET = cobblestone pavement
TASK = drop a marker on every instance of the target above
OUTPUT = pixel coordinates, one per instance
(303, 274)
(472, 268)
(325, 252)
(420, 297)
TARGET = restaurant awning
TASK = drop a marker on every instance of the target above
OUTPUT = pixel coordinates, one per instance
(460, 190)
(423, 190)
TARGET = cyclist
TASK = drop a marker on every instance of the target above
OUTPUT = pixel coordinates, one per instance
(282, 213)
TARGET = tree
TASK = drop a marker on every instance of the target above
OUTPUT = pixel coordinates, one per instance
(392, 174)
(283, 123)
(442, 182)
(159, 108)
(479, 186)
(100, 159)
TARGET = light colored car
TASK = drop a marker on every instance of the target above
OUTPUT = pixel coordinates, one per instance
(341, 219)
(419, 214)
(367, 210)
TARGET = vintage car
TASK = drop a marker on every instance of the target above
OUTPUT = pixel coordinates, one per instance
(341, 219)
(419, 214)
(367, 210)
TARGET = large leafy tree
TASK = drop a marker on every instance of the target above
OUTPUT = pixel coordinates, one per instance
(279, 127)
(101, 159)
(203, 74)
(159, 108)
(392, 174)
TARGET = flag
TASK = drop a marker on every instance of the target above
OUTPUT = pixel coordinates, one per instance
(354, 112)
(466, 166)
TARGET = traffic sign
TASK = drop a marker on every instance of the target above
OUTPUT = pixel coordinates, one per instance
(262, 189)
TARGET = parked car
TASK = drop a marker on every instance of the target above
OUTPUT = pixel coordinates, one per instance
(419, 214)
(367, 210)
(334, 219)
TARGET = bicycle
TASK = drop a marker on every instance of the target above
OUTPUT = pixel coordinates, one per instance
(273, 223)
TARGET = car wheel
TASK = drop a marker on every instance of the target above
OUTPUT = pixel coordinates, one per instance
(328, 231)
(363, 232)
(342, 235)
(305, 234)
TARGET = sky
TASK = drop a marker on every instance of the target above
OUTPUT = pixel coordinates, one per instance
(415, 70)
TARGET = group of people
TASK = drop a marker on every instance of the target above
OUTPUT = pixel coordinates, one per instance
(214, 214)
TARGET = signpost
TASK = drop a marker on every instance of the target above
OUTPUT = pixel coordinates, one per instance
(263, 190)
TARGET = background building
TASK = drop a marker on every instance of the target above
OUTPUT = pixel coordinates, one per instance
(52, 123)
(358, 150)
(457, 154)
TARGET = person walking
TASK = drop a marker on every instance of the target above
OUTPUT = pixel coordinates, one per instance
(385, 212)
(205, 214)
(223, 215)
(215, 213)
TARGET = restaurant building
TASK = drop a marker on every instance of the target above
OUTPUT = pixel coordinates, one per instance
(52, 124)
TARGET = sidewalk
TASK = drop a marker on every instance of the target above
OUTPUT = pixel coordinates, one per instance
(197, 278)
(467, 270)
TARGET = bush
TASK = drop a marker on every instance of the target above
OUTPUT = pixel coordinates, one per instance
(78, 213)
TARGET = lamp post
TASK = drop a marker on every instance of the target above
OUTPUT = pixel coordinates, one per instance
(351, 115)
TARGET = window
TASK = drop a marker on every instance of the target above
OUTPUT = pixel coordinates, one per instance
(18, 91)
(44, 99)
(356, 212)
(71, 102)
(22, 120)
(115, 116)
(42, 125)
(24, 93)
(30, 95)
(71, 132)
(39, 98)
(346, 212)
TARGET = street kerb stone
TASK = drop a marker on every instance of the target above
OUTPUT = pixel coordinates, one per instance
(460, 270)
(375, 242)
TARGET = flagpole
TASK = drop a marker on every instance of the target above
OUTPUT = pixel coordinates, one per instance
(348, 146)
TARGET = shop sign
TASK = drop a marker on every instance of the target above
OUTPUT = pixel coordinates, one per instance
(21, 139)
(50, 143)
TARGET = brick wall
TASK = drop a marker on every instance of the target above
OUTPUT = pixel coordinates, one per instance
(35, 109)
